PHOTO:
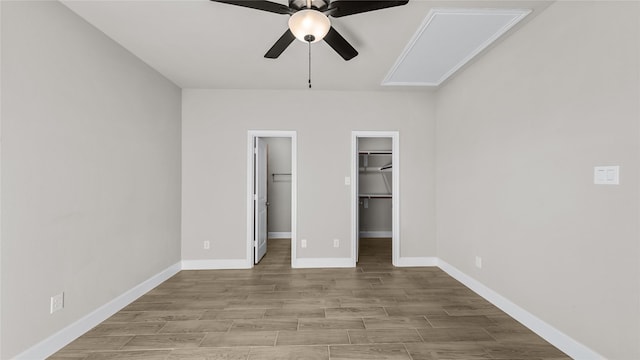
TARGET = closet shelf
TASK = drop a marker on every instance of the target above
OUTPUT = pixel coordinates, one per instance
(375, 196)
(374, 170)
(365, 154)
(281, 177)
(374, 152)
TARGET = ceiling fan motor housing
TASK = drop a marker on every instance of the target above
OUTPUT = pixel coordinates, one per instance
(320, 5)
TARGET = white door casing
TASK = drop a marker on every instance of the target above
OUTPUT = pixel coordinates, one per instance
(395, 200)
(355, 184)
(252, 135)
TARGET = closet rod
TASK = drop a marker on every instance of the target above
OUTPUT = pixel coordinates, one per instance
(375, 196)
(273, 176)
(375, 152)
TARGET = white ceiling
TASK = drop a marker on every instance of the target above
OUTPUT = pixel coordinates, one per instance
(203, 44)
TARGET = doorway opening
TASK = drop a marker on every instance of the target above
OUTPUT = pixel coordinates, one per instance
(375, 194)
(271, 193)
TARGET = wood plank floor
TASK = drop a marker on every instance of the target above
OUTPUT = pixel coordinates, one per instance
(374, 311)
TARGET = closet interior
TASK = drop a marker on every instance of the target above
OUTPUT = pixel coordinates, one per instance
(375, 190)
(279, 187)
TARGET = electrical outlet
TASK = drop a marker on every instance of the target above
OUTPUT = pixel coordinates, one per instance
(478, 262)
(57, 302)
(303, 243)
(207, 245)
(336, 243)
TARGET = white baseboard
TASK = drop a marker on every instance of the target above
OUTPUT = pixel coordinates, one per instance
(279, 235)
(57, 341)
(416, 261)
(554, 336)
(323, 263)
(376, 234)
(218, 264)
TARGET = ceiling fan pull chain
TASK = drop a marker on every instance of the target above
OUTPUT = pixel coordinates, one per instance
(309, 64)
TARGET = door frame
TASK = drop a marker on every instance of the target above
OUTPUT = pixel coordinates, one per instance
(395, 199)
(251, 135)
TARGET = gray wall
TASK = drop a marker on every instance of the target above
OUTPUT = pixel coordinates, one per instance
(214, 137)
(279, 187)
(90, 171)
(518, 134)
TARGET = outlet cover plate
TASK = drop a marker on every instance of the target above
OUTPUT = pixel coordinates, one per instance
(57, 302)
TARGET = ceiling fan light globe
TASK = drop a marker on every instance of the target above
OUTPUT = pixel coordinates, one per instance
(309, 22)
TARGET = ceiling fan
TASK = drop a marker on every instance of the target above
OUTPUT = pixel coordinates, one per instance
(309, 21)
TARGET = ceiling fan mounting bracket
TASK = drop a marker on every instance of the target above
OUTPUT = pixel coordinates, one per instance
(320, 5)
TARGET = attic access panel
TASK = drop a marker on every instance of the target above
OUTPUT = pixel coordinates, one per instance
(446, 41)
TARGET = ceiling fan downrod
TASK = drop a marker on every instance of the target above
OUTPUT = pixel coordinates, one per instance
(309, 41)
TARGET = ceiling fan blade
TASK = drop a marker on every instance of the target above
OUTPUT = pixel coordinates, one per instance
(340, 44)
(260, 5)
(340, 8)
(281, 45)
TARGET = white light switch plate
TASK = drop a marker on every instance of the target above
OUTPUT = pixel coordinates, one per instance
(347, 180)
(606, 175)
